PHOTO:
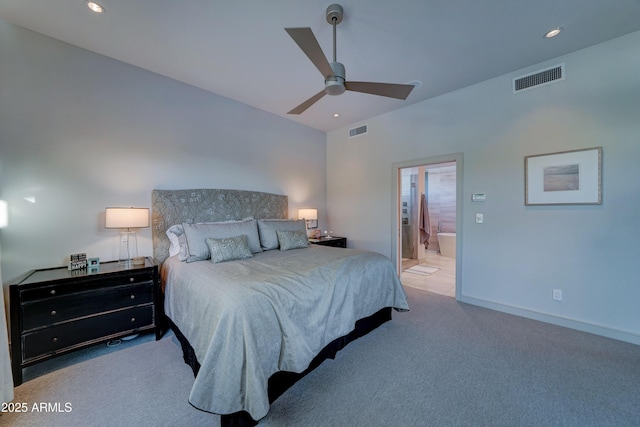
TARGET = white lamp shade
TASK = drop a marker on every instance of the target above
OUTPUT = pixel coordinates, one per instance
(4, 214)
(126, 218)
(305, 213)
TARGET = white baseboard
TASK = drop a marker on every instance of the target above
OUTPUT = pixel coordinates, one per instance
(591, 328)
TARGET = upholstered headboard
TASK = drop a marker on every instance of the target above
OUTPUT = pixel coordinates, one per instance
(170, 207)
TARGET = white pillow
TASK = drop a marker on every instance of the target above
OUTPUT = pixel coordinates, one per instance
(178, 242)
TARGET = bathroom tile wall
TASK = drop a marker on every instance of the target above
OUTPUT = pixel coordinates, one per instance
(442, 202)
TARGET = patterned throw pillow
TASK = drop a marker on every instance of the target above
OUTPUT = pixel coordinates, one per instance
(292, 239)
(229, 248)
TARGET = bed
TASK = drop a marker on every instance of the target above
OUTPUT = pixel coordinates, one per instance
(254, 306)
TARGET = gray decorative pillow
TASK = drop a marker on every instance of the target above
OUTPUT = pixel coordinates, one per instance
(229, 248)
(197, 233)
(292, 239)
(178, 240)
(268, 228)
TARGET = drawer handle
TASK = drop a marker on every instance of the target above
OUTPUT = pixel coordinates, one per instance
(55, 339)
(53, 312)
(53, 292)
(133, 319)
(133, 296)
(132, 279)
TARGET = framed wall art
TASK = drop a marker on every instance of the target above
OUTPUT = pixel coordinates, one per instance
(564, 178)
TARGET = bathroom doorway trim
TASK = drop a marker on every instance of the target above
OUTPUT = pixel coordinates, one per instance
(396, 228)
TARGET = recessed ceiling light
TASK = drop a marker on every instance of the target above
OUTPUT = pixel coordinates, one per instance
(415, 83)
(336, 115)
(552, 33)
(95, 7)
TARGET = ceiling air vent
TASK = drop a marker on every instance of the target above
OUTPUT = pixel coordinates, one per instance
(539, 78)
(360, 130)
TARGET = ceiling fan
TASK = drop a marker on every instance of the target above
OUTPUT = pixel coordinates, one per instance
(334, 73)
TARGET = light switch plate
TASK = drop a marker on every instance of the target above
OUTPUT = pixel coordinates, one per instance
(479, 218)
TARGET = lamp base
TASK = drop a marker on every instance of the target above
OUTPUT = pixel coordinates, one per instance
(128, 247)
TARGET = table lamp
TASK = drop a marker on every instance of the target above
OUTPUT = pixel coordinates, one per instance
(127, 218)
(310, 215)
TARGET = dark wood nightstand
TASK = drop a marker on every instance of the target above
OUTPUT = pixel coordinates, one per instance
(56, 310)
(335, 241)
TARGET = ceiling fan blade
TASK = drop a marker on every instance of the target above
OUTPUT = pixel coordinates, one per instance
(391, 90)
(308, 103)
(309, 44)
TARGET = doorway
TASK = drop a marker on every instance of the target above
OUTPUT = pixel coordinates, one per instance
(427, 227)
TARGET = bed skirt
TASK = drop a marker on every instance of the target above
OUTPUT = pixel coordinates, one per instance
(283, 380)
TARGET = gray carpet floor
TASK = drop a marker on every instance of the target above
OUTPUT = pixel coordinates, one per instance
(441, 364)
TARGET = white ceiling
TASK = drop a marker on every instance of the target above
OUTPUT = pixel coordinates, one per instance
(239, 49)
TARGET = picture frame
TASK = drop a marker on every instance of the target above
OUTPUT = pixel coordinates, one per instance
(77, 261)
(564, 178)
(93, 265)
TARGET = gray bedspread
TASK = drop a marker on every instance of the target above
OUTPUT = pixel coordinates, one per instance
(249, 319)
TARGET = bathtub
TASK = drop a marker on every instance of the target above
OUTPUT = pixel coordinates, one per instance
(447, 243)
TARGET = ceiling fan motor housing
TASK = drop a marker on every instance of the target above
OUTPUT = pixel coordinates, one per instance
(334, 85)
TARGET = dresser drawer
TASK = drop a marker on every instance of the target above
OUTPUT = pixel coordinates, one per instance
(56, 338)
(91, 283)
(46, 312)
(336, 242)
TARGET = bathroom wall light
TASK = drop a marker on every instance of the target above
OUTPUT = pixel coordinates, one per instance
(310, 215)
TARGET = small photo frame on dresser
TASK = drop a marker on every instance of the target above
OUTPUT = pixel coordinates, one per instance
(93, 265)
(77, 261)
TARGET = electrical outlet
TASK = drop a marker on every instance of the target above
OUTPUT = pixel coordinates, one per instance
(557, 295)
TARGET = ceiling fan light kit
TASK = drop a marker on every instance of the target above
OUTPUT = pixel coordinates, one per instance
(335, 82)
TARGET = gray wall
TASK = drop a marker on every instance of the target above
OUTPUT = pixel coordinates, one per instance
(79, 132)
(516, 258)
